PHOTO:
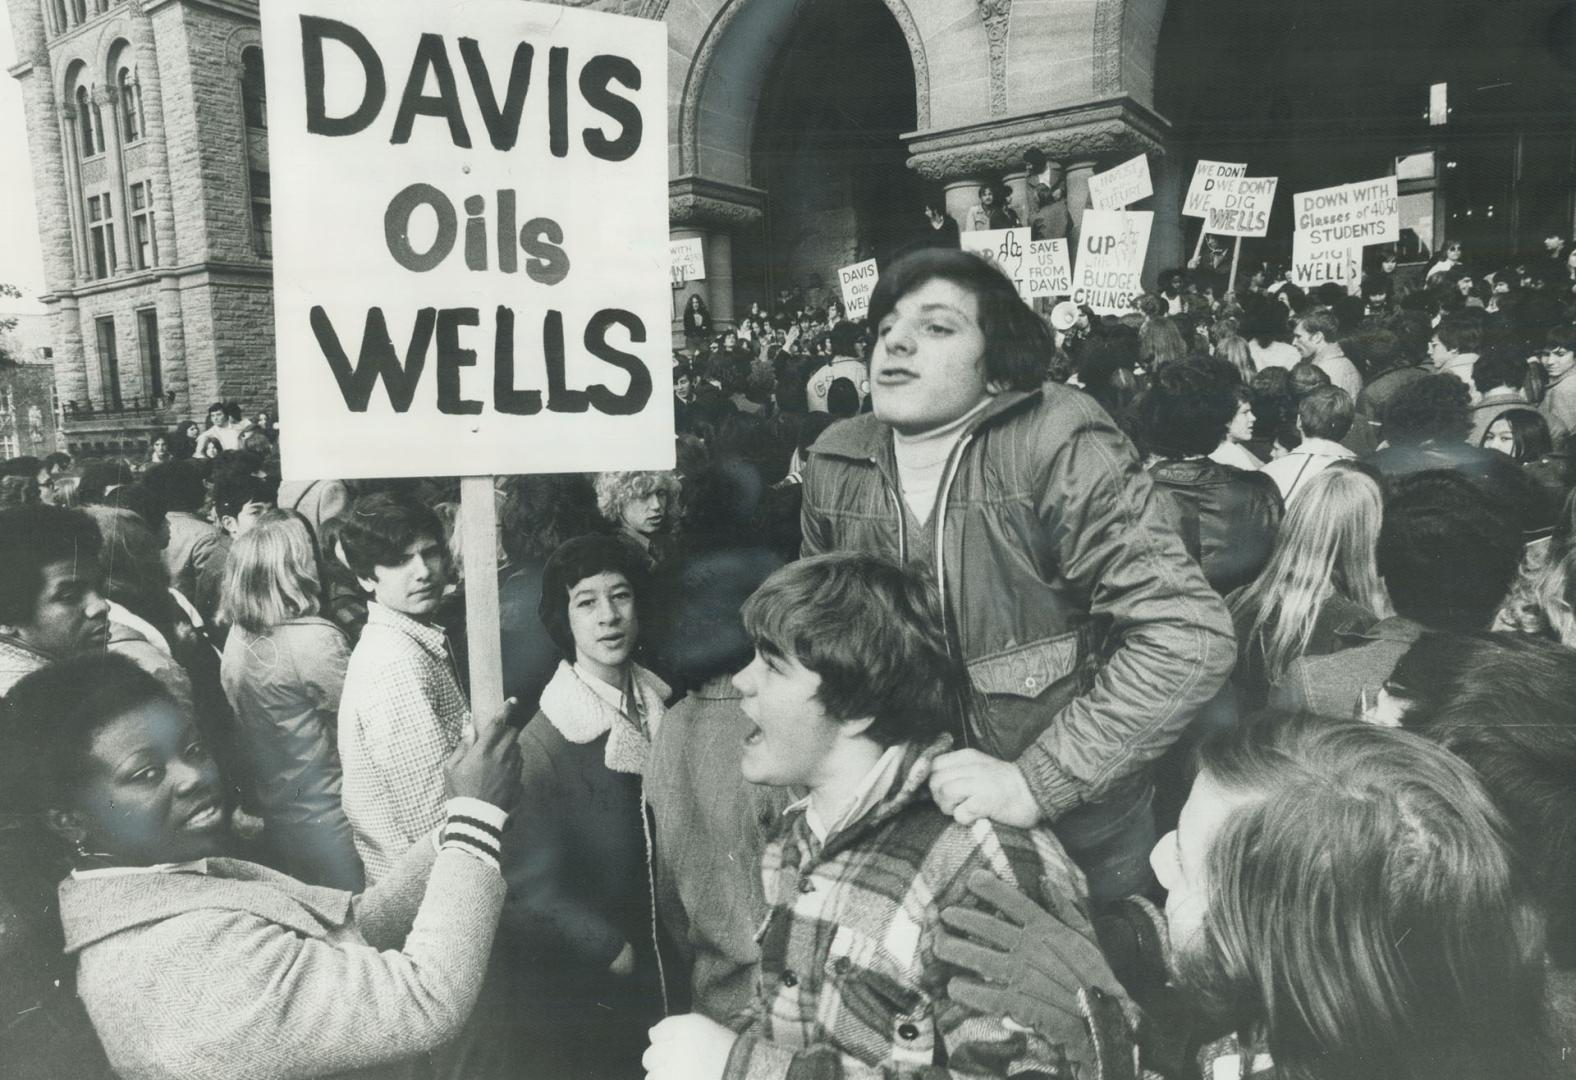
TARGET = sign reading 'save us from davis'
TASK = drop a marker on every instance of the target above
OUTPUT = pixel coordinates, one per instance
(470, 237)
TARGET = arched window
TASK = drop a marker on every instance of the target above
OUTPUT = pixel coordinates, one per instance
(87, 124)
(130, 103)
(253, 99)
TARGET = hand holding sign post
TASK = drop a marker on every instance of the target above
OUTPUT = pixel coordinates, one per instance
(479, 289)
(1201, 193)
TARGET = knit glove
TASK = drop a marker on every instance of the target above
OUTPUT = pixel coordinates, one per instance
(1031, 965)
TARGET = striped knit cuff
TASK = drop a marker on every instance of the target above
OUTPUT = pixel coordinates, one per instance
(474, 827)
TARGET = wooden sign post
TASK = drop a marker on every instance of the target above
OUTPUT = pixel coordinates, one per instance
(462, 289)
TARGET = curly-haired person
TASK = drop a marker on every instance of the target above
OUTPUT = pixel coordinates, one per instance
(642, 506)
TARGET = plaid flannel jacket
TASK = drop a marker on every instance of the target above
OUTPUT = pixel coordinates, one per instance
(400, 717)
(849, 986)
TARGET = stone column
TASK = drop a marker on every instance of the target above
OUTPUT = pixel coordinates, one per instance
(962, 195)
(172, 329)
(48, 141)
(108, 99)
(1078, 174)
(713, 210)
(1017, 183)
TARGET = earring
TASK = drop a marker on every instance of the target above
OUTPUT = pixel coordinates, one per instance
(80, 848)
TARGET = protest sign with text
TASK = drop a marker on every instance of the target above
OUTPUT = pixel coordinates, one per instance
(1201, 193)
(1331, 227)
(1047, 272)
(1007, 248)
(1312, 264)
(1240, 206)
(470, 237)
(687, 259)
(1351, 215)
(1111, 249)
(858, 282)
(1122, 186)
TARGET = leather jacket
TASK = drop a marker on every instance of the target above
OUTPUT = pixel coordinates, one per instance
(1227, 517)
(1084, 622)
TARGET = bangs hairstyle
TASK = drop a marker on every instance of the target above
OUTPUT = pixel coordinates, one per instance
(1325, 549)
(271, 575)
(572, 563)
(872, 630)
(1018, 344)
(378, 528)
(31, 538)
(614, 489)
(1365, 913)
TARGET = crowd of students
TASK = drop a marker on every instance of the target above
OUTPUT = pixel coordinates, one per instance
(987, 693)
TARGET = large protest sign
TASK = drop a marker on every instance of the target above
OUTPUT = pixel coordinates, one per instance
(1201, 193)
(1240, 206)
(1333, 225)
(858, 282)
(470, 237)
(1313, 264)
(1046, 271)
(1111, 249)
(1007, 248)
(1122, 186)
(687, 259)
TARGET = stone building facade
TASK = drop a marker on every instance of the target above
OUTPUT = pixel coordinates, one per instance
(146, 128)
(147, 133)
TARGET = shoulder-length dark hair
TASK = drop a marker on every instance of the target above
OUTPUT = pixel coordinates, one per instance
(573, 562)
(1529, 432)
(1018, 344)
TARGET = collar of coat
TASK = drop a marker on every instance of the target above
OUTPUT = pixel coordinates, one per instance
(581, 715)
(908, 787)
(95, 908)
(864, 438)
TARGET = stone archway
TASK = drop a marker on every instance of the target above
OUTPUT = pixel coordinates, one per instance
(992, 78)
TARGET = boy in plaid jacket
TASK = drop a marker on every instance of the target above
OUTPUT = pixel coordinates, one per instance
(853, 695)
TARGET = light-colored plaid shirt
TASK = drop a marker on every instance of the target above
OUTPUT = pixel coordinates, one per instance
(401, 715)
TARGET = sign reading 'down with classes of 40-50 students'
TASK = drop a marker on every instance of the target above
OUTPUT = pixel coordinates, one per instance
(470, 237)
(1333, 225)
(687, 259)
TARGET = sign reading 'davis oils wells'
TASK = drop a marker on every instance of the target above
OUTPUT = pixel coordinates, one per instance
(470, 237)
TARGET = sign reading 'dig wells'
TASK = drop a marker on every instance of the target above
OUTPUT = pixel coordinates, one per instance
(470, 237)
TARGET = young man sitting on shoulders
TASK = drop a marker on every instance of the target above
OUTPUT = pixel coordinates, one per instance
(852, 695)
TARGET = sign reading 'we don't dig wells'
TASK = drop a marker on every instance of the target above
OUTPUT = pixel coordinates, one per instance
(470, 238)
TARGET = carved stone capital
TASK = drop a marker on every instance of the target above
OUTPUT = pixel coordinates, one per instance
(711, 204)
(1105, 128)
